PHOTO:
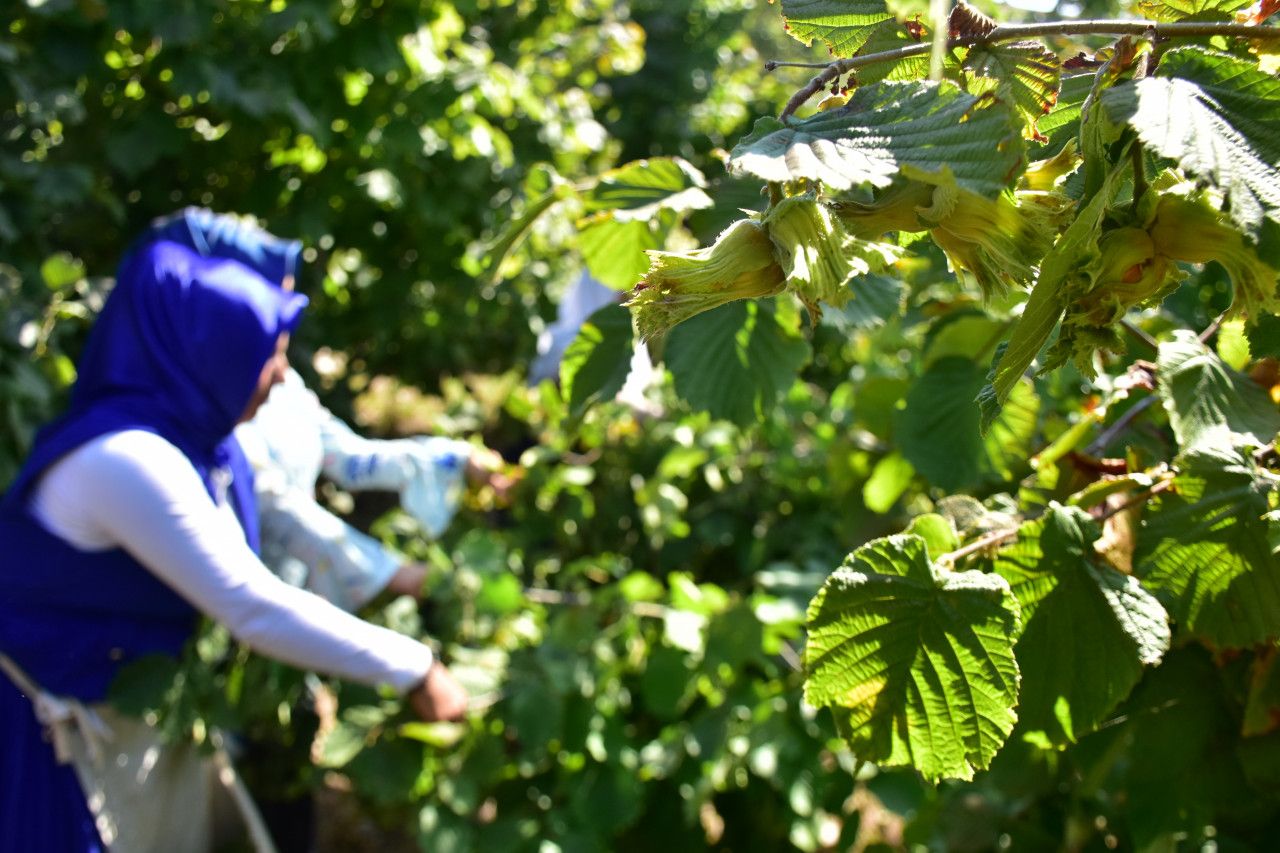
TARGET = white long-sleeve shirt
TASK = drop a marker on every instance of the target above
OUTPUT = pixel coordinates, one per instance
(134, 490)
(293, 439)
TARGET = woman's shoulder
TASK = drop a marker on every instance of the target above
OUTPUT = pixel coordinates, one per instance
(126, 453)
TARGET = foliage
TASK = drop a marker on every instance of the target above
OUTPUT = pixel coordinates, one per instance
(967, 432)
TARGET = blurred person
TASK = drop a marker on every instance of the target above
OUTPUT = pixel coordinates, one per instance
(294, 439)
(585, 297)
(132, 516)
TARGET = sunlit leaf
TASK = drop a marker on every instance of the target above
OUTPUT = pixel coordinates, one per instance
(915, 662)
(844, 25)
(1199, 10)
(1218, 118)
(885, 130)
(736, 361)
(1088, 629)
(1209, 404)
(1203, 547)
(1026, 73)
(615, 251)
(638, 190)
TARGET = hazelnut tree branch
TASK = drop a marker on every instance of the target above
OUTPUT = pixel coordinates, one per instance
(1016, 32)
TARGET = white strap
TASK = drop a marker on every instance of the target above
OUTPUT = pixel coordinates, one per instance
(61, 716)
(235, 787)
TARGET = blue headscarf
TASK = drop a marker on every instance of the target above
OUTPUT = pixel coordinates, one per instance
(220, 235)
(177, 351)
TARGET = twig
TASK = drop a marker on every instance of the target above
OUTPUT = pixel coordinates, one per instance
(554, 596)
(938, 44)
(1140, 335)
(1213, 327)
(1140, 497)
(976, 545)
(1016, 32)
(1139, 174)
(1122, 423)
(790, 656)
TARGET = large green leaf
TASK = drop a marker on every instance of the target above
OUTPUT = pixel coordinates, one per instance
(596, 363)
(1026, 73)
(1203, 548)
(615, 250)
(844, 25)
(735, 361)
(1089, 630)
(915, 661)
(938, 429)
(638, 190)
(1200, 10)
(886, 129)
(1209, 404)
(1218, 117)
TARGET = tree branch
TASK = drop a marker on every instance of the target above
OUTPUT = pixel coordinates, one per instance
(1016, 32)
(1122, 423)
(1140, 497)
(997, 538)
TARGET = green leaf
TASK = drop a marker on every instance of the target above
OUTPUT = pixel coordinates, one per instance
(1232, 344)
(1209, 404)
(1200, 10)
(141, 686)
(638, 190)
(515, 232)
(876, 299)
(965, 333)
(916, 662)
(1088, 629)
(1063, 120)
(615, 251)
(888, 480)
(1203, 547)
(938, 429)
(917, 129)
(1264, 337)
(844, 25)
(61, 270)
(892, 35)
(735, 361)
(1026, 73)
(937, 531)
(343, 743)
(1218, 118)
(596, 363)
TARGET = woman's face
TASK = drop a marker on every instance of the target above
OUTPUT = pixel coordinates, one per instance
(272, 374)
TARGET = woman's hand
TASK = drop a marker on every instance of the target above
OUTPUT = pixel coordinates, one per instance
(409, 579)
(439, 696)
(486, 468)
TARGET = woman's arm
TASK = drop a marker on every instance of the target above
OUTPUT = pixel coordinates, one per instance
(135, 490)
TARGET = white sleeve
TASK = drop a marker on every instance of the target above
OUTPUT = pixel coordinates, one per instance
(143, 495)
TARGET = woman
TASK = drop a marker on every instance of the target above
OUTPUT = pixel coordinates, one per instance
(294, 438)
(123, 526)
